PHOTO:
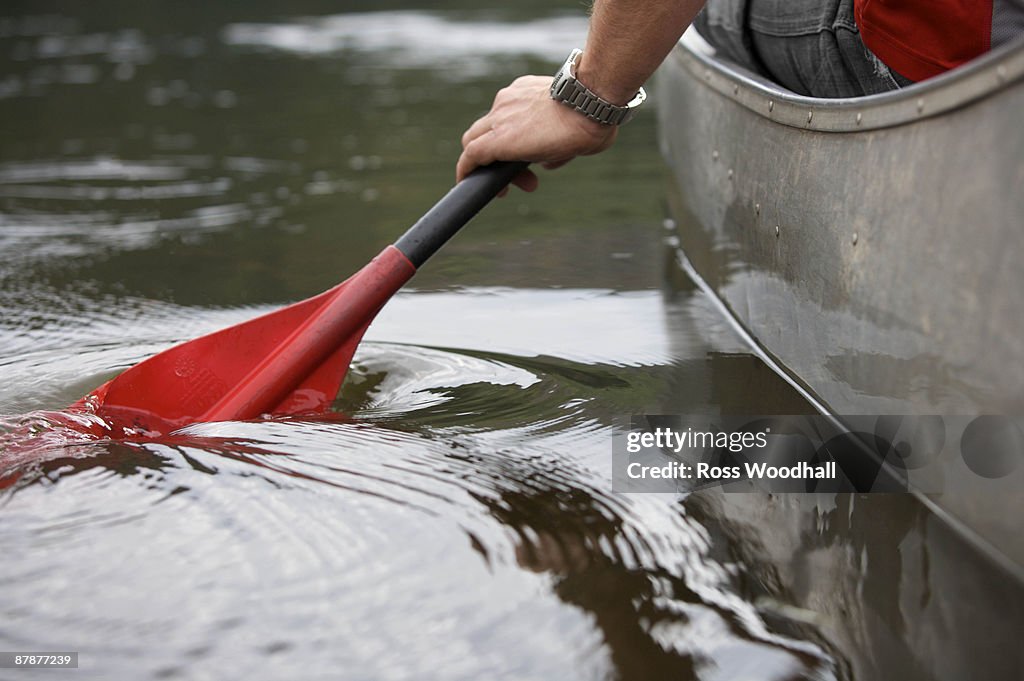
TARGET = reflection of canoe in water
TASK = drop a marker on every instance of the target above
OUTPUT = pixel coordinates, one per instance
(874, 246)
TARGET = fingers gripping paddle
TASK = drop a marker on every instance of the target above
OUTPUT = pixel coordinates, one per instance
(292, 360)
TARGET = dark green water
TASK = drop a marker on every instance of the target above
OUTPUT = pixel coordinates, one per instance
(168, 169)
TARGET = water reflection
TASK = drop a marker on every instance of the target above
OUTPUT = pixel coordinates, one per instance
(489, 468)
(409, 39)
(487, 532)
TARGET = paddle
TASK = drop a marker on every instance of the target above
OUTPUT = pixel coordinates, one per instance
(292, 360)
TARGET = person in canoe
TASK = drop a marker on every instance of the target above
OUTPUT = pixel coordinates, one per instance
(819, 48)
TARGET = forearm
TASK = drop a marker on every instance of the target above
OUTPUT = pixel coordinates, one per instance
(628, 39)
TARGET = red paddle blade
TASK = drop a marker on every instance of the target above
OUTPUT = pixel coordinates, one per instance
(289, 361)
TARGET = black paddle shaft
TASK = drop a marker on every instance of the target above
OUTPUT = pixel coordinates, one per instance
(455, 209)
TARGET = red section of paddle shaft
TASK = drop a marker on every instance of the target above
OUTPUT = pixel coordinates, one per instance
(343, 317)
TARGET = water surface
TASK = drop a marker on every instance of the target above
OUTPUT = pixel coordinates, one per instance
(165, 172)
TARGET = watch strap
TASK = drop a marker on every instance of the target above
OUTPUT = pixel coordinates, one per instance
(579, 97)
(566, 89)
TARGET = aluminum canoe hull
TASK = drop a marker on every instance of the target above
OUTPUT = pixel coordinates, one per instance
(872, 247)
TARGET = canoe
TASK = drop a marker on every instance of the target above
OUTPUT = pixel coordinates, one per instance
(872, 248)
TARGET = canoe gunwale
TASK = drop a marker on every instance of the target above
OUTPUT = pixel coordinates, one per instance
(981, 78)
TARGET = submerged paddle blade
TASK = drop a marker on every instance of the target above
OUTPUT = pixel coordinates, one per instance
(288, 361)
(174, 387)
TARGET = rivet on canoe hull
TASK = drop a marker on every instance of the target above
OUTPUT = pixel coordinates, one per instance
(714, 155)
(855, 238)
(860, 117)
(707, 75)
(810, 115)
(757, 209)
(1001, 73)
(735, 89)
(777, 230)
(730, 173)
(920, 104)
(771, 105)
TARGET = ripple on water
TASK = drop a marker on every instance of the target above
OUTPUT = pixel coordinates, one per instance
(457, 509)
(420, 530)
(36, 227)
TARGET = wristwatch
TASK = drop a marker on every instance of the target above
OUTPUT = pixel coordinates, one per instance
(574, 94)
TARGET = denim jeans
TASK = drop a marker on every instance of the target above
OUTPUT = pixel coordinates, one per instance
(811, 47)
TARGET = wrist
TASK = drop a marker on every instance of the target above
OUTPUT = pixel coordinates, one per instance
(591, 75)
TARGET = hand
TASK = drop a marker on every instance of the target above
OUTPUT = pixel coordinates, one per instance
(525, 124)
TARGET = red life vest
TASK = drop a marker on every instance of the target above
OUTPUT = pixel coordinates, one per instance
(919, 39)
